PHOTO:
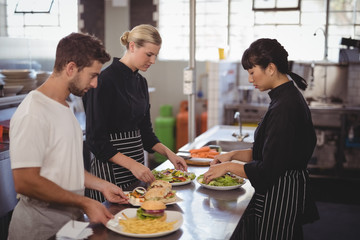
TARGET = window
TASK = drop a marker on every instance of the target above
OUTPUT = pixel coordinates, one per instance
(272, 5)
(234, 24)
(211, 28)
(41, 19)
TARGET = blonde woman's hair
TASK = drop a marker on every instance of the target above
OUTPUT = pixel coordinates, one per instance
(140, 35)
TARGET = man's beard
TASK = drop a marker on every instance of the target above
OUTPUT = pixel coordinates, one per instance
(74, 89)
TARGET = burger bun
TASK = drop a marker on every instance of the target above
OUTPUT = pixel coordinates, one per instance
(153, 205)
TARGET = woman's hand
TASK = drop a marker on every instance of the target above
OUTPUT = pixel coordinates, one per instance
(142, 172)
(221, 158)
(215, 171)
(178, 162)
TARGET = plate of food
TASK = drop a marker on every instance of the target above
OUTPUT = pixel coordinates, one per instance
(228, 181)
(149, 221)
(136, 196)
(173, 176)
(158, 190)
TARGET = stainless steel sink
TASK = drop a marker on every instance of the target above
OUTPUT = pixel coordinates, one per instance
(228, 146)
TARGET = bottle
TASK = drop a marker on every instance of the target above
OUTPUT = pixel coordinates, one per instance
(182, 125)
(165, 130)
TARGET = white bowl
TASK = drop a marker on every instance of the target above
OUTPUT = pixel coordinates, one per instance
(17, 73)
(12, 90)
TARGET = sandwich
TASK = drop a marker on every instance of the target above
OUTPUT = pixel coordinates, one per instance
(160, 184)
(152, 210)
(163, 194)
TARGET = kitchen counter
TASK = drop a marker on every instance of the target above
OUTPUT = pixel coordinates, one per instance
(220, 133)
(207, 213)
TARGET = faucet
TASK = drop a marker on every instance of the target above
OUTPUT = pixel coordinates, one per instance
(240, 137)
(325, 41)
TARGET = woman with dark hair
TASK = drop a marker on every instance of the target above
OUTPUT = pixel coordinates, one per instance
(283, 145)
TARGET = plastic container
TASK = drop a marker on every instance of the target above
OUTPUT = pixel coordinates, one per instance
(182, 125)
(165, 130)
(203, 124)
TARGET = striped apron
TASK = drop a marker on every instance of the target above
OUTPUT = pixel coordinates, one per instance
(279, 213)
(128, 143)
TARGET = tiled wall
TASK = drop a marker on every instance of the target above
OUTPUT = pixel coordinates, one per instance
(344, 78)
(3, 31)
(224, 75)
(222, 89)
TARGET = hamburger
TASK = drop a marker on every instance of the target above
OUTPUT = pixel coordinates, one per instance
(152, 210)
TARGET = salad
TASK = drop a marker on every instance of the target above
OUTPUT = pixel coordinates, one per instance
(228, 179)
(173, 175)
(137, 195)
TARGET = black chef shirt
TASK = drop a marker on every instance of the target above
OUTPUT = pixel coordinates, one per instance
(284, 140)
(120, 103)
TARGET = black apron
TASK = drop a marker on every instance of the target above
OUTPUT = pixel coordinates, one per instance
(128, 143)
(281, 211)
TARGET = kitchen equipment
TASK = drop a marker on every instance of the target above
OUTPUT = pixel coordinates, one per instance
(1, 90)
(245, 93)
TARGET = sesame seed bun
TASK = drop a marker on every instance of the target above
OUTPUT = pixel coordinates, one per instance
(153, 205)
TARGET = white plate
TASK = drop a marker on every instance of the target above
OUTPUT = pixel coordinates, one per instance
(220, 187)
(181, 183)
(16, 73)
(12, 90)
(177, 183)
(131, 212)
(133, 201)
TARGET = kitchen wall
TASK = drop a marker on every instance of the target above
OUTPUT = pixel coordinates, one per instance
(165, 76)
(35, 54)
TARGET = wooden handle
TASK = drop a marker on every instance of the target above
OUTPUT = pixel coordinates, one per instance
(197, 163)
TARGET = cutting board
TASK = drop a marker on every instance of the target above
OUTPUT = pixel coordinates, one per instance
(195, 161)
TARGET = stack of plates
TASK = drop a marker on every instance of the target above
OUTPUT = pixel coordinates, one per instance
(12, 90)
(20, 77)
(41, 77)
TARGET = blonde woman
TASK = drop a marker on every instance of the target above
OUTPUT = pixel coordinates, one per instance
(118, 125)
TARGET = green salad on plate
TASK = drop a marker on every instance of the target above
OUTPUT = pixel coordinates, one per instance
(228, 179)
(173, 175)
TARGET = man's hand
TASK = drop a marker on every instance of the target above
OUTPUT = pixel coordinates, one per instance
(96, 212)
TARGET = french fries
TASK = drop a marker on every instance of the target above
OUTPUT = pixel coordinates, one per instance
(203, 152)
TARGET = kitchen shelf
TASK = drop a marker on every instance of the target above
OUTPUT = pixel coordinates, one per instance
(11, 100)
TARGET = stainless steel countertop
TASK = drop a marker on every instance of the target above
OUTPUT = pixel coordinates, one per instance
(222, 133)
(208, 214)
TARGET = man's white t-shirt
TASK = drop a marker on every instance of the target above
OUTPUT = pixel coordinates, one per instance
(46, 134)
